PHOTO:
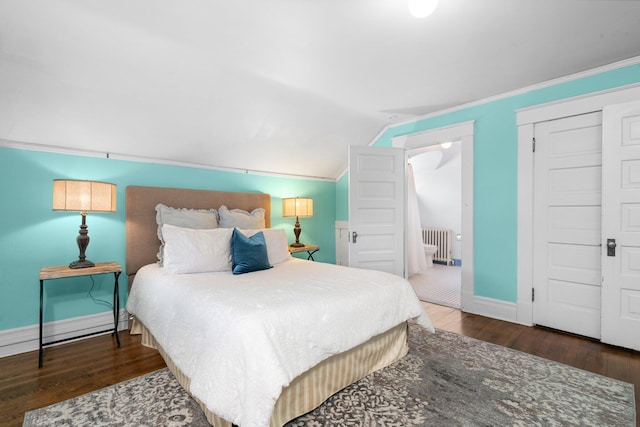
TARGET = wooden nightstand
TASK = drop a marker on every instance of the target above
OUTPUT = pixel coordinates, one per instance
(309, 249)
(49, 273)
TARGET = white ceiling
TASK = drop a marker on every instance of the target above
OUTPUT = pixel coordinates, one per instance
(280, 86)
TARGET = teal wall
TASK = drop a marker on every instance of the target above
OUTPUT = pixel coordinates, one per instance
(33, 236)
(495, 173)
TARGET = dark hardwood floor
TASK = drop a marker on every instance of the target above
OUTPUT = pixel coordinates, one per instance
(76, 368)
(69, 370)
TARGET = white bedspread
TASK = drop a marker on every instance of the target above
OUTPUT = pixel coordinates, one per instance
(241, 339)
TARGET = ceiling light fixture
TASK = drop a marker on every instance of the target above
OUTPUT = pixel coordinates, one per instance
(422, 8)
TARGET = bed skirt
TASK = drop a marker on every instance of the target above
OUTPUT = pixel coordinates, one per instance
(311, 388)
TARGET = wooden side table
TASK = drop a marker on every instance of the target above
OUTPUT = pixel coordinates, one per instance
(48, 273)
(309, 249)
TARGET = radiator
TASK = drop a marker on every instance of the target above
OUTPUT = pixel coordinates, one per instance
(440, 237)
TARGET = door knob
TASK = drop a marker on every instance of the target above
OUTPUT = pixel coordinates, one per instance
(354, 236)
(611, 247)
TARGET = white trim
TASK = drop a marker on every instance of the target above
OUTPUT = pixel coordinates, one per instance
(434, 136)
(549, 83)
(582, 104)
(463, 132)
(342, 224)
(526, 119)
(525, 224)
(489, 307)
(24, 339)
(571, 77)
(116, 156)
(343, 173)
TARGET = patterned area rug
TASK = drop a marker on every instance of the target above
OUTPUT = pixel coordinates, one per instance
(446, 379)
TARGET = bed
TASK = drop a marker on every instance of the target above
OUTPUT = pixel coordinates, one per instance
(260, 348)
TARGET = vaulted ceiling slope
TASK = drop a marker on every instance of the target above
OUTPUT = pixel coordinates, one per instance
(280, 86)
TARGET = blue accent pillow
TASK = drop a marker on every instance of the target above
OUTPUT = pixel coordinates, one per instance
(248, 253)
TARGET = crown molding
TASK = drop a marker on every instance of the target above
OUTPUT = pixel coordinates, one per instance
(29, 146)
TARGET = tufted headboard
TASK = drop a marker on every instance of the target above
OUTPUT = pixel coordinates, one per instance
(141, 228)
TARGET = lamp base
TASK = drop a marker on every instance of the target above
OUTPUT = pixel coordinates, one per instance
(81, 264)
(297, 245)
(83, 242)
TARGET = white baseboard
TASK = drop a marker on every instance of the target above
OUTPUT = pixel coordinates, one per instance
(492, 308)
(525, 313)
(22, 340)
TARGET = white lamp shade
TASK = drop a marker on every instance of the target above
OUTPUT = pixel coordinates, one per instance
(298, 206)
(83, 196)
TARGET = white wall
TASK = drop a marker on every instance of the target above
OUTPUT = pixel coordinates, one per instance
(438, 175)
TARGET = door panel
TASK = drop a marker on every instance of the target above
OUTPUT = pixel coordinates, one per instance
(567, 228)
(573, 301)
(630, 217)
(575, 224)
(377, 208)
(574, 263)
(631, 174)
(621, 221)
(575, 184)
(573, 294)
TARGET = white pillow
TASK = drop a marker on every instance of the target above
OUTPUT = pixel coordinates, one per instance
(277, 245)
(186, 218)
(241, 219)
(188, 250)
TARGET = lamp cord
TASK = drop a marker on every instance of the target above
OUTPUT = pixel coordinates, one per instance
(98, 300)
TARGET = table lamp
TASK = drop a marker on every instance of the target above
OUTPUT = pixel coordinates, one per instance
(297, 207)
(83, 197)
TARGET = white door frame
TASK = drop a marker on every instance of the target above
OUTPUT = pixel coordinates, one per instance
(526, 118)
(460, 132)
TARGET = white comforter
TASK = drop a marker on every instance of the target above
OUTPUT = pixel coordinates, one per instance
(241, 339)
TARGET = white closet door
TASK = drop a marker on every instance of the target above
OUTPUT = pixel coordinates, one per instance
(567, 216)
(621, 225)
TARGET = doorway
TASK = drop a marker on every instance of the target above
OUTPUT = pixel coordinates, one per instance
(463, 132)
(437, 197)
